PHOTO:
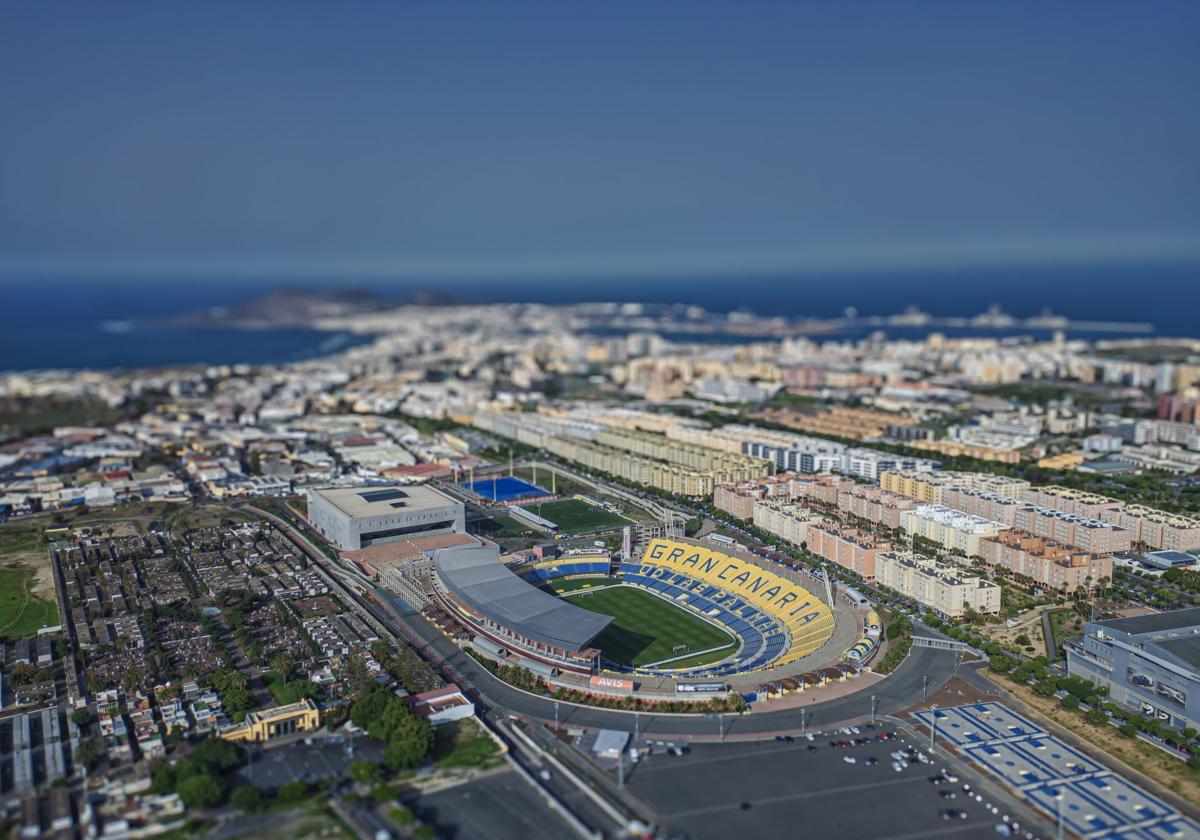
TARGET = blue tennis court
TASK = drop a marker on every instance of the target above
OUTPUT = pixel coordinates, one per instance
(505, 488)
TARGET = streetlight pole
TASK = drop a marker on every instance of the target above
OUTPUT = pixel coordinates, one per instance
(636, 727)
(802, 711)
(721, 726)
(924, 687)
(872, 708)
(555, 715)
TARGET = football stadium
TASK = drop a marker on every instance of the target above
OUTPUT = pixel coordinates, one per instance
(683, 610)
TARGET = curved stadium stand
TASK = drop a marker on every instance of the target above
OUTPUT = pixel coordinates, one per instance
(776, 621)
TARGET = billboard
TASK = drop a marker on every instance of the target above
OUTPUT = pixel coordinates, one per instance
(702, 688)
(611, 682)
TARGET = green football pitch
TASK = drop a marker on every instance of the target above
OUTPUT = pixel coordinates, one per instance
(647, 629)
(573, 516)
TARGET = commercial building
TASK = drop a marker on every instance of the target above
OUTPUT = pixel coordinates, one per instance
(953, 530)
(357, 517)
(1150, 663)
(944, 588)
(1165, 560)
(1046, 562)
(849, 548)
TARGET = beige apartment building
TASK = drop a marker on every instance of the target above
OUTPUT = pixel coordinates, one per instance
(739, 499)
(1078, 502)
(1071, 529)
(942, 587)
(929, 487)
(874, 505)
(953, 530)
(1048, 563)
(673, 478)
(784, 519)
(1157, 529)
(662, 448)
(849, 548)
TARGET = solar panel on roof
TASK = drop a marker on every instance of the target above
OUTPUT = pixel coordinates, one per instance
(382, 495)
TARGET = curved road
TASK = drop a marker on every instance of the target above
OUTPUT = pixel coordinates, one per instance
(900, 690)
(903, 688)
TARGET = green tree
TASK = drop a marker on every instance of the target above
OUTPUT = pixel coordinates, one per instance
(200, 791)
(364, 772)
(246, 797)
(368, 708)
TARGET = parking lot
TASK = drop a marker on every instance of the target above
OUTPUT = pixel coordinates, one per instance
(298, 761)
(786, 789)
(499, 806)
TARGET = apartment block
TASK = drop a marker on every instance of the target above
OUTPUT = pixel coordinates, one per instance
(1077, 502)
(942, 587)
(1157, 529)
(849, 548)
(952, 529)
(786, 520)
(874, 505)
(739, 499)
(929, 487)
(1075, 530)
(1048, 563)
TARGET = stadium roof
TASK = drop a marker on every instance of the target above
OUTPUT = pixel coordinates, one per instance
(1155, 622)
(476, 575)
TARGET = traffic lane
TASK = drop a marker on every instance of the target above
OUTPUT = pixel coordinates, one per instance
(765, 788)
(501, 806)
(900, 690)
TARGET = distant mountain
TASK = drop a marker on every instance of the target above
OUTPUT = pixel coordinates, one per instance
(303, 307)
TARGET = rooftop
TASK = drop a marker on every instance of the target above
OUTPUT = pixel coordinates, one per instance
(380, 500)
(1155, 622)
(1186, 649)
(477, 576)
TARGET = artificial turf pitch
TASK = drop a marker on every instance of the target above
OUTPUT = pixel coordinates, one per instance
(572, 516)
(646, 628)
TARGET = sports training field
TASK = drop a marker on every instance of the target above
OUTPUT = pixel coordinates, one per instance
(572, 516)
(646, 628)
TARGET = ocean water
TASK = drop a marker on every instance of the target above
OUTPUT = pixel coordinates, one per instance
(65, 323)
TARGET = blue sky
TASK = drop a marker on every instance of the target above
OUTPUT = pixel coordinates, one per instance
(417, 140)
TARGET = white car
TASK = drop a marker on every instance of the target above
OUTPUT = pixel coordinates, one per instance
(849, 759)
